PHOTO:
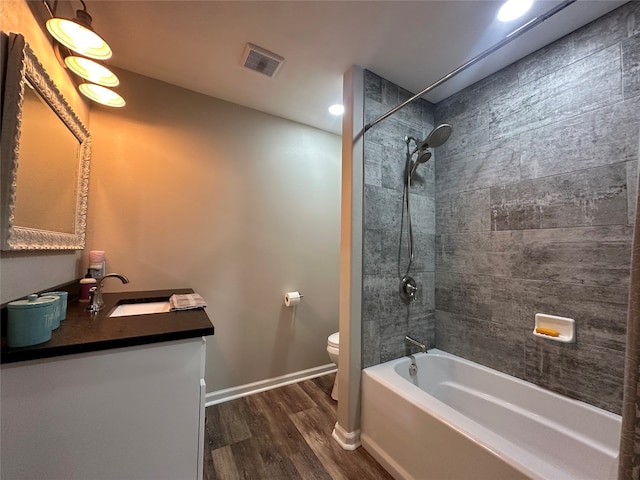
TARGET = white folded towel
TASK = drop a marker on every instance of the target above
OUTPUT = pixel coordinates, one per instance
(186, 301)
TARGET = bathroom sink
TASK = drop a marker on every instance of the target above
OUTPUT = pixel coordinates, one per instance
(141, 308)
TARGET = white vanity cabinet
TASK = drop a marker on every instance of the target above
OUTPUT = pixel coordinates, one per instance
(124, 413)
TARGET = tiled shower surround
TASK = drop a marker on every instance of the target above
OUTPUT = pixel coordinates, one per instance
(534, 197)
(386, 318)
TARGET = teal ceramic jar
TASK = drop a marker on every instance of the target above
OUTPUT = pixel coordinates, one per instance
(60, 306)
(30, 321)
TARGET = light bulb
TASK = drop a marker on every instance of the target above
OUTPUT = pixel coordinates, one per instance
(102, 95)
(92, 71)
(79, 38)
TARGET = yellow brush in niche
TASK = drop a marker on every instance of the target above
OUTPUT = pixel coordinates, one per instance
(547, 331)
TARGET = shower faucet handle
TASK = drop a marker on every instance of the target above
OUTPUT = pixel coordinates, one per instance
(408, 288)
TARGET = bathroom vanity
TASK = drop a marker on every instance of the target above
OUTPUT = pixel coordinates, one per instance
(108, 397)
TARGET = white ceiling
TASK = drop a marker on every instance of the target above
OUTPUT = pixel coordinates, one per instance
(198, 45)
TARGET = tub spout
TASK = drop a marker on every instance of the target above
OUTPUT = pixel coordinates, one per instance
(413, 342)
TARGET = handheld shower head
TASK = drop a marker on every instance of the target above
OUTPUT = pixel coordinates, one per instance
(423, 157)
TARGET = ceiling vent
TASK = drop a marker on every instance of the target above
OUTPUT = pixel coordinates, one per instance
(261, 60)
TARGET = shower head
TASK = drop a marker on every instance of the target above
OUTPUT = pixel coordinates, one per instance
(437, 137)
(423, 157)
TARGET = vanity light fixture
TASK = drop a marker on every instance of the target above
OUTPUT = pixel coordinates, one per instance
(102, 95)
(78, 35)
(83, 48)
(91, 71)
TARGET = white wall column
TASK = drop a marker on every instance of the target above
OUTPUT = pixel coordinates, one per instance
(347, 428)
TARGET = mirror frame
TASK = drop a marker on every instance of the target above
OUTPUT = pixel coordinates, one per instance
(23, 66)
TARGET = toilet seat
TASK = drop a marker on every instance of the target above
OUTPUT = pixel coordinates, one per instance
(333, 349)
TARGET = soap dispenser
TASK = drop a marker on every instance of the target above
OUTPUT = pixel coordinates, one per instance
(86, 284)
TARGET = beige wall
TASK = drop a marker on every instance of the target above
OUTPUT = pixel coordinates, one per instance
(24, 273)
(191, 191)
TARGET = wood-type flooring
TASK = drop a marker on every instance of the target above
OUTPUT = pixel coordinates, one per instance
(284, 433)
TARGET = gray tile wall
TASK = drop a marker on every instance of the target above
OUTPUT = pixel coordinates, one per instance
(535, 201)
(386, 317)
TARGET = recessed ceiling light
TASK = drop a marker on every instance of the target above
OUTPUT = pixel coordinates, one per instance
(336, 109)
(513, 9)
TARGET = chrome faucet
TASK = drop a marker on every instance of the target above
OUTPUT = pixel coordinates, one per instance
(96, 302)
(413, 342)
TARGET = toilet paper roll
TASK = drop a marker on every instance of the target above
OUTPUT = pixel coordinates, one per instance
(291, 299)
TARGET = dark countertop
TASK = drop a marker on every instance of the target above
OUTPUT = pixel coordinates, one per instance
(83, 332)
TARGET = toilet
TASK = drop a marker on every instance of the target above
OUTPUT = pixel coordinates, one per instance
(333, 344)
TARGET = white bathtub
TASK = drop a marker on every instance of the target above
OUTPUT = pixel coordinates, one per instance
(456, 420)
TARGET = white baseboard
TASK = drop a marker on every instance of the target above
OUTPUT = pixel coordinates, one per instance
(220, 396)
(347, 440)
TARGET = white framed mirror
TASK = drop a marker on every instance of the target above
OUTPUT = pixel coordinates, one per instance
(44, 165)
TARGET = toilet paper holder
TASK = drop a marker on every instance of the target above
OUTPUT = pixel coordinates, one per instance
(291, 299)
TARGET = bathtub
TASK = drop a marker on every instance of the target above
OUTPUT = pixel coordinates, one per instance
(456, 419)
